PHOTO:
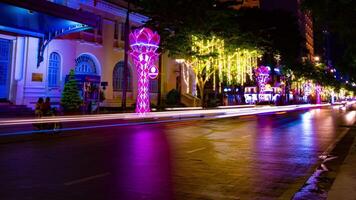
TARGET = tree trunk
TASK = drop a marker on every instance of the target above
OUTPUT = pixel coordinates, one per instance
(201, 91)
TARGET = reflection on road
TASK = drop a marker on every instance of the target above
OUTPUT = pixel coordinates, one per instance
(251, 157)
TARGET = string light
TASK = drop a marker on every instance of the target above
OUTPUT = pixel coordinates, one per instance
(211, 56)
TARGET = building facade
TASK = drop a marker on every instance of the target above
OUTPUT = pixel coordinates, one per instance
(96, 55)
(305, 22)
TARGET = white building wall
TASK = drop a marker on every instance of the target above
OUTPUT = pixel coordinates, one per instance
(25, 91)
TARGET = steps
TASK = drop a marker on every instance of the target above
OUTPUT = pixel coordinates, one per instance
(8, 110)
(190, 100)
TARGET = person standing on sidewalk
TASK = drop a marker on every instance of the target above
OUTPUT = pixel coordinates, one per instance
(46, 107)
(38, 108)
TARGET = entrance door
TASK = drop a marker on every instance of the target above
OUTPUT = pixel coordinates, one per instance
(5, 62)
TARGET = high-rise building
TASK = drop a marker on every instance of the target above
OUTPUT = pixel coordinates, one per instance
(305, 22)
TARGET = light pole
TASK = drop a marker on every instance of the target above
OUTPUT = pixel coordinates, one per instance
(125, 72)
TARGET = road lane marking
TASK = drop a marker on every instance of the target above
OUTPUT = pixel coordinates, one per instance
(195, 150)
(86, 179)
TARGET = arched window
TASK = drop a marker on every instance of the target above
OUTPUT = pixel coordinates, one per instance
(118, 76)
(85, 65)
(54, 66)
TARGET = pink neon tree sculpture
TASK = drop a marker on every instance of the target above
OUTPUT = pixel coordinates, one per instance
(262, 75)
(144, 44)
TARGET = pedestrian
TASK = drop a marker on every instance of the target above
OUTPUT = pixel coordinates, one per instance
(38, 108)
(89, 108)
(46, 107)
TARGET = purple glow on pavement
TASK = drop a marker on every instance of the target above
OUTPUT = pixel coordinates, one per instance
(144, 44)
(145, 168)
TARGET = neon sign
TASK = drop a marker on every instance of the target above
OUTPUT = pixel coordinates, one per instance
(144, 44)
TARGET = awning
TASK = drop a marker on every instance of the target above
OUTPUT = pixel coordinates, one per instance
(43, 19)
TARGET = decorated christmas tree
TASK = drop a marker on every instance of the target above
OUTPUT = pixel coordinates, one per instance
(71, 100)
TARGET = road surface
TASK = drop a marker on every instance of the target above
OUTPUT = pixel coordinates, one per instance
(251, 157)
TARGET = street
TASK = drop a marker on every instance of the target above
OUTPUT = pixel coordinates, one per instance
(265, 156)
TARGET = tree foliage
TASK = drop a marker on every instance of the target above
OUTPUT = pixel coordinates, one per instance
(71, 100)
(177, 20)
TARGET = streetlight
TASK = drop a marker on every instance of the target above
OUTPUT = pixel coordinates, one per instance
(316, 58)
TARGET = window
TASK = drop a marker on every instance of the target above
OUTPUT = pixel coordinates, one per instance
(118, 76)
(154, 85)
(116, 30)
(122, 31)
(54, 65)
(85, 65)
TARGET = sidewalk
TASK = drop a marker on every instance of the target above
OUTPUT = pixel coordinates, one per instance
(344, 186)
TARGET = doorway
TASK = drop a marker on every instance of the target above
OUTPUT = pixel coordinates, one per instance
(5, 65)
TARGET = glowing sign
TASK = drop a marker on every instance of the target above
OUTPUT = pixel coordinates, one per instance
(144, 44)
(153, 72)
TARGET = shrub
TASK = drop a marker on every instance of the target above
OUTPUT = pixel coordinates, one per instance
(172, 98)
(70, 99)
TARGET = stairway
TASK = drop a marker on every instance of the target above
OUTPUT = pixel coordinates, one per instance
(190, 100)
(8, 110)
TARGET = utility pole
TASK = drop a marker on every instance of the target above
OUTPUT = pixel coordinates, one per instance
(126, 57)
(159, 96)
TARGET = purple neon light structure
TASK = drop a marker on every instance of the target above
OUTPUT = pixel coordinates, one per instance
(262, 74)
(144, 44)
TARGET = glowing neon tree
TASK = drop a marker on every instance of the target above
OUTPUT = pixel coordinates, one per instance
(144, 44)
(262, 76)
(318, 91)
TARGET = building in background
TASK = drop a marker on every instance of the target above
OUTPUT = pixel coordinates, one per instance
(305, 22)
(37, 64)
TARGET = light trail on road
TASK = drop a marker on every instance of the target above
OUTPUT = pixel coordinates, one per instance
(211, 113)
(268, 155)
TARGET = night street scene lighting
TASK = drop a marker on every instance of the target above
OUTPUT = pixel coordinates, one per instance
(177, 99)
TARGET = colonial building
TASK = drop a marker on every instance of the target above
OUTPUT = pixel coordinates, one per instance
(39, 47)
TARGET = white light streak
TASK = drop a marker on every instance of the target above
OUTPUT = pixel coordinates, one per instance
(211, 113)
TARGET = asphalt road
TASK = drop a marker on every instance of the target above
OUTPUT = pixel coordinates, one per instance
(252, 157)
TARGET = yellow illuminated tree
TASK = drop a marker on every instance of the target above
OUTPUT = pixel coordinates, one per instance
(210, 60)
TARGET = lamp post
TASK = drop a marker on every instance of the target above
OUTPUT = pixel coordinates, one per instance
(125, 72)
